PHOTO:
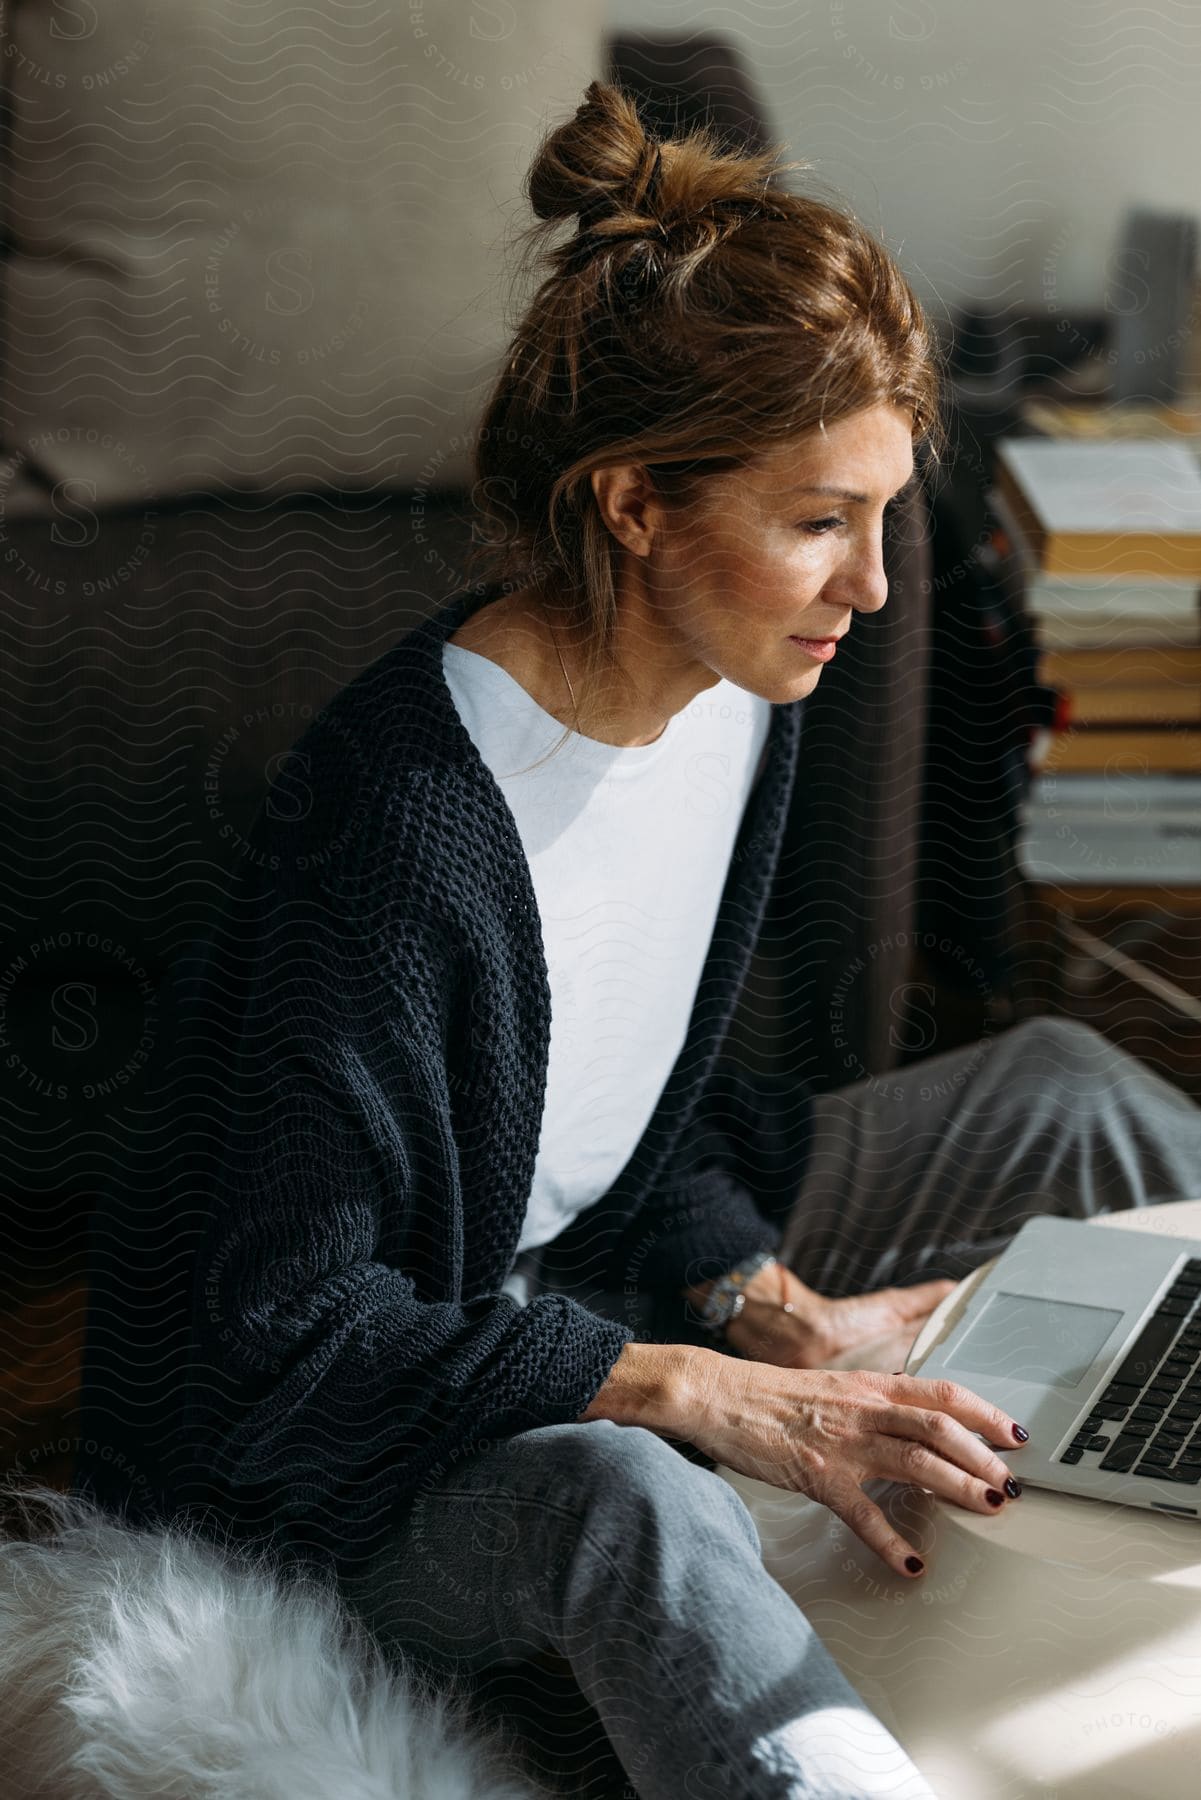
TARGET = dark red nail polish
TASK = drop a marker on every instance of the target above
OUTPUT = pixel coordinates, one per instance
(993, 1498)
(1013, 1488)
(1020, 1433)
(914, 1564)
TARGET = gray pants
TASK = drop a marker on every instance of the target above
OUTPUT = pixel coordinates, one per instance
(641, 1568)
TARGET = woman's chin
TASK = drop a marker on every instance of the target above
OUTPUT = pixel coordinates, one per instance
(778, 686)
(799, 685)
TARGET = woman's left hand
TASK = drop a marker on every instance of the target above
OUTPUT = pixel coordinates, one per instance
(819, 1332)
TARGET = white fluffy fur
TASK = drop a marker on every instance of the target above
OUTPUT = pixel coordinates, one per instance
(157, 1665)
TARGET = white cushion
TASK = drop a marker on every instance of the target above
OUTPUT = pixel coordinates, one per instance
(266, 248)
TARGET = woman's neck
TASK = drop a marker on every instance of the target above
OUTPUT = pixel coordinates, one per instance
(514, 632)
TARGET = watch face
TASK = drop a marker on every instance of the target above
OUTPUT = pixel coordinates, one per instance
(716, 1309)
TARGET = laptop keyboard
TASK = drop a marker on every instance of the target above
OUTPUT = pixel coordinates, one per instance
(1146, 1420)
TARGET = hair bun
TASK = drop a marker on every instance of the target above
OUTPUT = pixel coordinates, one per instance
(604, 165)
(600, 163)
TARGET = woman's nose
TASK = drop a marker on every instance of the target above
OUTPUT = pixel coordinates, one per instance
(862, 581)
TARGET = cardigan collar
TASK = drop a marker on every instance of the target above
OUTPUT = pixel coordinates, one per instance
(740, 912)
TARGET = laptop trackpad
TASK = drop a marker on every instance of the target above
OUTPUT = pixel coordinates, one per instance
(1024, 1338)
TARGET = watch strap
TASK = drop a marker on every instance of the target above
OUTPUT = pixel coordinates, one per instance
(727, 1297)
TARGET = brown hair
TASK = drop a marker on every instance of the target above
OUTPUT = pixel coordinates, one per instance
(699, 315)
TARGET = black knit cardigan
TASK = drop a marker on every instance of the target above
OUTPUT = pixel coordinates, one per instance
(382, 986)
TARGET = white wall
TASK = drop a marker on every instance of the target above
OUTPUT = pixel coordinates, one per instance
(992, 143)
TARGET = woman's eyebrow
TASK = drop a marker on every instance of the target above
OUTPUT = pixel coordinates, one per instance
(837, 493)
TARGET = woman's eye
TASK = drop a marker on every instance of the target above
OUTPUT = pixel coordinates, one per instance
(820, 526)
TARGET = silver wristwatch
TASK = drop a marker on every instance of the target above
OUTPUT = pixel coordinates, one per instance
(727, 1297)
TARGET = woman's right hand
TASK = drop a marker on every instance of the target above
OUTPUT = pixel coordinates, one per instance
(824, 1432)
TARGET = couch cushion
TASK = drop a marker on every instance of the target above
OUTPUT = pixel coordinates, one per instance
(264, 248)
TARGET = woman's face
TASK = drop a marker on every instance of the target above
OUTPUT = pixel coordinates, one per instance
(791, 548)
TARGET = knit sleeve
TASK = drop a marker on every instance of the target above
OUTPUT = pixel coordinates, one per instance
(329, 1384)
(692, 1229)
(732, 1183)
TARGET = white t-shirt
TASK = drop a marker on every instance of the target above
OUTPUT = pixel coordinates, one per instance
(628, 849)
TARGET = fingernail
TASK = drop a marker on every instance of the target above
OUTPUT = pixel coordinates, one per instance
(914, 1564)
(1020, 1433)
(1013, 1488)
(993, 1498)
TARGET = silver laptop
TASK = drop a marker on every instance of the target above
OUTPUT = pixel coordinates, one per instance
(1091, 1339)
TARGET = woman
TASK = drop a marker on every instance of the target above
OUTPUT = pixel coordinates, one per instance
(480, 977)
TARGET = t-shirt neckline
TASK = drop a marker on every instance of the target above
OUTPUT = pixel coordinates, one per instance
(629, 755)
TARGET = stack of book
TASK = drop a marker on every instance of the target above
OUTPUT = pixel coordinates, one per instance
(1109, 831)
(1104, 553)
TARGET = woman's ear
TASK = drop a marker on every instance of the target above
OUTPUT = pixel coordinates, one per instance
(629, 505)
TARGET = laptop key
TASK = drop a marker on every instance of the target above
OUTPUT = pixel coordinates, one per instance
(1122, 1390)
(1190, 1475)
(1149, 1348)
(1072, 1454)
(1123, 1453)
(1097, 1443)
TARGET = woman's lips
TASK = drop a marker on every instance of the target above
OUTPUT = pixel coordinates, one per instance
(821, 649)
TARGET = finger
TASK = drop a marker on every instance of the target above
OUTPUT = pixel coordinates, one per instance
(922, 1297)
(996, 1426)
(945, 1435)
(865, 1519)
(914, 1462)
